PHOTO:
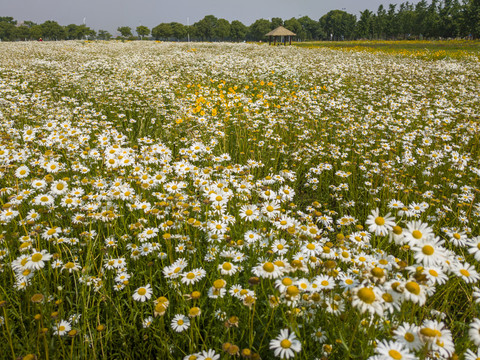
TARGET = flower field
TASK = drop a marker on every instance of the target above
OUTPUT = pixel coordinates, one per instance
(216, 201)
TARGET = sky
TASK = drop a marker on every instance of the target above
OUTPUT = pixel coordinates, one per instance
(110, 14)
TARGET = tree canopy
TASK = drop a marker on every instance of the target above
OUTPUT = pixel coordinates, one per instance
(433, 20)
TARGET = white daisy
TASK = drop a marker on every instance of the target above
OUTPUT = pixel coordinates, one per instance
(180, 323)
(142, 293)
(285, 345)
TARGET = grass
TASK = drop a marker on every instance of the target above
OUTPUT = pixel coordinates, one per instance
(242, 189)
(432, 50)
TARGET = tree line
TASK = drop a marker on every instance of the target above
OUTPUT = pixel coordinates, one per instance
(423, 20)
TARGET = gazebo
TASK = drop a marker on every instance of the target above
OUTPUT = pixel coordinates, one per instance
(282, 33)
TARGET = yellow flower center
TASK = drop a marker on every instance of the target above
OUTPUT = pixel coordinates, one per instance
(413, 287)
(44, 199)
(433, 272)
(464, 272)
(142, 291)
(69, 265)
(378, 272)
(37, 257)
(219, 284)
(366, 295)
(51, 232)
(293, 290)
(387, 297)
(380, 221)
(417, 234)
(428, 250)
(394, 354)
(227, 266)
(397, 230)
(270, 208)
(311, 246)
(430, 332)
(324, 283)
(287, 282)
(457, 236)
(285, 343)
(409, 337)
(268, 267)
(180, 322)
(194, 311)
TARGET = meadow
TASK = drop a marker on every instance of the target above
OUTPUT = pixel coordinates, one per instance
(424, 49)
(216, 201)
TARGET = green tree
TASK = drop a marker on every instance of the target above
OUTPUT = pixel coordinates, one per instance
(23, 32)
(294, 26)
(365, 25)
(8, 20)
(472, 18)
(104, 35)
(8, 31)
(276, 22)
(392, 22)
(71, 31)
(406, 20)
(162, 31)
(142, 31)
(311, 28)
(222, 30)
(51, 30)
(421, 9)
(205, 28)
(238, 31)
(29, 23)
(338, 25)
(179, 31)
(126, 31)
(36, 32)
(450, 19)
(432, 20)
(258, 29)
(381, 22)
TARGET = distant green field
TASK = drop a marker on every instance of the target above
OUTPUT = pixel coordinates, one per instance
(416, 48)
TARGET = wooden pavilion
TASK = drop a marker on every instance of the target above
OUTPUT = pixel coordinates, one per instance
(281, 33)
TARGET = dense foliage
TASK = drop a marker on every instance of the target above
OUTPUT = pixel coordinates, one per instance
(437, 19)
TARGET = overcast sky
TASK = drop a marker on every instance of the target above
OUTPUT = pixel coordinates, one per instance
(110, 14)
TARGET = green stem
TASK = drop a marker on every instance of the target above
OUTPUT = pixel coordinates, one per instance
(7, 329)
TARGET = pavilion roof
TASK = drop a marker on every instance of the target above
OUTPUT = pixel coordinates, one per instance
(280, 31)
